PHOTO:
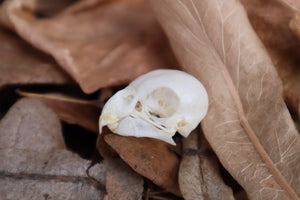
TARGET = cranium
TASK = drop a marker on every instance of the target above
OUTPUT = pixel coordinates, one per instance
(156, 105)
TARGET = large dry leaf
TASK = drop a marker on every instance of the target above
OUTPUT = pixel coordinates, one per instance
(149, 157)
(199, 176)
(247, 124)
(271, 20)
(96, 45)
(34, 163)
(122, 182)
(22, 64)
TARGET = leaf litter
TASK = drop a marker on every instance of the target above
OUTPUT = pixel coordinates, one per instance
(277, 29)
(124, 39)
(27, 67)
(101, 44)
(206, 182)
(71, 110)
(247, 115)
(36, 163)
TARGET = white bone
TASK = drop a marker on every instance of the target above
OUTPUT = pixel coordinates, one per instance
(156, 105)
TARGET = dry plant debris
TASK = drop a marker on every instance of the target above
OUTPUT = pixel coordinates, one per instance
(109, 38)
(36, 164)
(150, 157)
(206, 182)
(70, 56)
(247, 121)
(122, 182)
(23, 64)
(70, 109)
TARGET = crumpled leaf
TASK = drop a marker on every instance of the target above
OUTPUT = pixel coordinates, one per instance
(20, 66)
(247, 124)
(96, 45)
(150, 158)
(271, 20)
(35, 164)
(122, 182)
(199, 176)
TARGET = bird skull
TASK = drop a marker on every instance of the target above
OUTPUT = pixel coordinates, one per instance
(156, 105)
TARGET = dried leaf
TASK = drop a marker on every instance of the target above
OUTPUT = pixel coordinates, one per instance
(98, 45)
(248, 124)
(26, 67)
(19, 126)
(271, 19)
(70, 109)
(292, 4)
(295, 25)
(122, 182)
(149, 157)
(85, 115)
(35, 164)
(48, 7)
(242, 195)
(189, 176)
(48, 176)
(199, 176)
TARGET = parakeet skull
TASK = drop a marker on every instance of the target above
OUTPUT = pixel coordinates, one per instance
(156, 105)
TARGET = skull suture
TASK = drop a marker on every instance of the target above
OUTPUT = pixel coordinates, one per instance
(156, 105)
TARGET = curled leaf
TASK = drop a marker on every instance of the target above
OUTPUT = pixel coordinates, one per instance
(96, 45)
(26, 67)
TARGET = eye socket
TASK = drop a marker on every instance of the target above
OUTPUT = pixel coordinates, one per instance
(162, 102)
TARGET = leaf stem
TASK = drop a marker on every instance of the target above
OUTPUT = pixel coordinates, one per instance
(57, 98)
(252, 136)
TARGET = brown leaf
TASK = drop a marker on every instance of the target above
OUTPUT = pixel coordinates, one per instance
(85, 115)
(247, 124)
(122, 182)
(72, 110)
(19, 127)
(149, 157)
(242, 195)
(22, 64)
(271, 19)
(291, 4)
(295, 25)
(199, 176)
(189, 176)
(98, 45)
(48, 7)
(56, 175)
(35, 164)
